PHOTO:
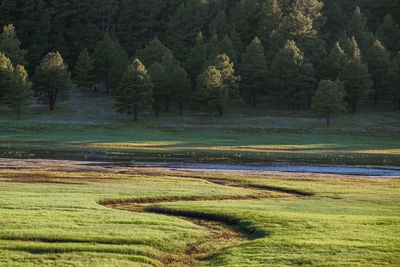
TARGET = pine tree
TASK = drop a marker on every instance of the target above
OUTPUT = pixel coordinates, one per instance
(197, 58)
(328, 98)
(392, 82)
(357, 80)
(10, 45)
(104, 56)
(285, 70)
(253, 71)
(211, 93)
(153, 52)
(225, 46)
(177, 83)
(389, 32)
(358, 28)
(269, 18)
(83, 71)
(334, 63)
(159, 78)
(378, 60)
(306, 85)
(229, 80)
(135, 92)
(118, 68)
(52, 78)
(6, 71)
(19, 94)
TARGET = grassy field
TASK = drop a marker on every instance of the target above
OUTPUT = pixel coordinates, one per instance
(54, 218)
(82, 129)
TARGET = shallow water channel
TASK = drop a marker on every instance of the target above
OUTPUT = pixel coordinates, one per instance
(369, 171)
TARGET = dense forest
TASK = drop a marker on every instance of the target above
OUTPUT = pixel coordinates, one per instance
(327, 55)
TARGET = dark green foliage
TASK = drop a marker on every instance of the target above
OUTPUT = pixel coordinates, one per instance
(328, 98)
(378, 60)
(6, 72)
(357, 80)
(177, 83)
(159, 78)
(153, 52)
(106, 53)
(11, 46)
(253, 71)
(118, 68)
(196, 31)
(83, 71)
(52, 79)
(389, 32)
(135, 92)
(288, 72)
(211, 94)
(19, 94)
(392, 82)
(197, 58)
(334, 63)
(229, 80)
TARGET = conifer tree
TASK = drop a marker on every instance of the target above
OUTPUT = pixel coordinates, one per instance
(211, 93)
(83, 71)
(159, 78)
(306, 85)
(269, 18)
(225, 46)
(328, 98)
(153, 52)
(229, 80)
(378, 60)
(104, 56)
(177, 82)
(358, 29)
(135, 92)
(10, 45)
(6, 72)
(334, 63)
(389, 32)
(253, 71)
(392, 82)
(197, 58)
(357, 80)
(52, 79)
(118, 68)
(19, 94)
(285, 70)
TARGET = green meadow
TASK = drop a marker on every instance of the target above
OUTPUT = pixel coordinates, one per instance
(53, 218)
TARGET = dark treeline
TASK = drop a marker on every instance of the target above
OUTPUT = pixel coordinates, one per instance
(208, 54)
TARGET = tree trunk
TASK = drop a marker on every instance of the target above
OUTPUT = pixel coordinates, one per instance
(19, 112)
(254, 101)
(52, 100)
(211, 113)
(107, 87)
(328, 119)
(136, 114)
(156, 107)
(180, 108)
(221, 112)
(167, 104)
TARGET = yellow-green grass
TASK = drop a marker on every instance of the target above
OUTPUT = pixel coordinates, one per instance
(53, 218)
